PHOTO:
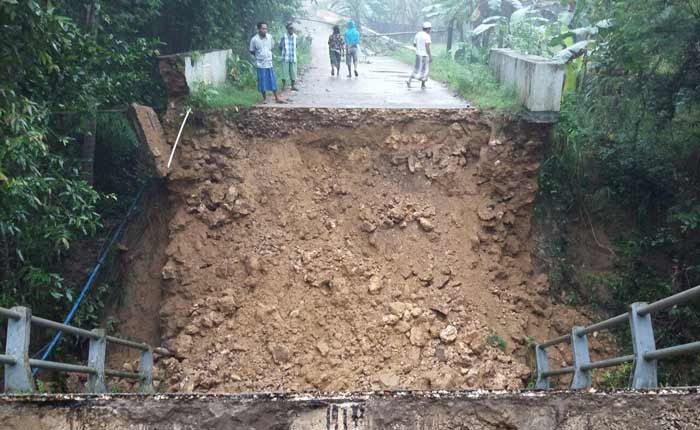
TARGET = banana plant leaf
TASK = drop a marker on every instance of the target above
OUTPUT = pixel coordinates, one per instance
(495, 18)
(483, 28)
(583, 32)
(521, 14)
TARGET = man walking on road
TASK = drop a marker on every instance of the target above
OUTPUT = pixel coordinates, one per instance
(424, 57)
(336, 46)
(288, 49)
(261, 48)
(352, 46)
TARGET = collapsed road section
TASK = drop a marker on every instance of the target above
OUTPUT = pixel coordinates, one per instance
(345, 250)
(399, 411)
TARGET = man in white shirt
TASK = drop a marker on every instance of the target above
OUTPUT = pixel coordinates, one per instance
(261, 49)
(424, 57)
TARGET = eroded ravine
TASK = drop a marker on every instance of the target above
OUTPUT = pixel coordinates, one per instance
(346, 250)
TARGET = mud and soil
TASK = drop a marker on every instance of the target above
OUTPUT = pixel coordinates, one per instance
(143, 258)
(341, 250)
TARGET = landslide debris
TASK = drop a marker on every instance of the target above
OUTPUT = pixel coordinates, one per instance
(346, 250)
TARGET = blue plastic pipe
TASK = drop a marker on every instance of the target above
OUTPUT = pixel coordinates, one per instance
(48, 349)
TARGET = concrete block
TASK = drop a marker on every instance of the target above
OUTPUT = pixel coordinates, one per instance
(537, 81)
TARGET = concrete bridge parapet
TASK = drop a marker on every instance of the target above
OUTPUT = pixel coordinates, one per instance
(537, 81)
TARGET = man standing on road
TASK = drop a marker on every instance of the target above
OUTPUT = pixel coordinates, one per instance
(424, 57)
(352, 46)
(288, 49)
(261, 48)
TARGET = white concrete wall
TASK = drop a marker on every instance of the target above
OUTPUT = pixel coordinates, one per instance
(209, 68)
(537, 81)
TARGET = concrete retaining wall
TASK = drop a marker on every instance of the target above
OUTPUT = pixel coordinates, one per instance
(208, 68)
(395, 411)
(182, 73)
(537, 80)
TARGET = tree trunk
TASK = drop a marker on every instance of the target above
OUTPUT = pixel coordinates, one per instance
(87, 150)
(450, 34)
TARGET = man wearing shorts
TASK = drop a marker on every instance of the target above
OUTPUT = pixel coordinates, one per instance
(352, 44)
(336, 46)
(424, 57)
(288, 49)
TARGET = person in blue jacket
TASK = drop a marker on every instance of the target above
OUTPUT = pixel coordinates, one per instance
(352, 47)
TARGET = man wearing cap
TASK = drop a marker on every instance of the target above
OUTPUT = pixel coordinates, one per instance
(424, 57)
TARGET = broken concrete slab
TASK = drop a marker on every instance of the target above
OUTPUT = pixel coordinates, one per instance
(151, 135)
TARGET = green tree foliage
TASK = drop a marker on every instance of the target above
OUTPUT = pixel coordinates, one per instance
(185, 25)
(409, 12)
(405, 12)
(359, 11)
(51, 74)
(43, 204)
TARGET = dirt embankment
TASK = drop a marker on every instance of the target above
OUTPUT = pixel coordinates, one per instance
(344, 250)
(143, 256)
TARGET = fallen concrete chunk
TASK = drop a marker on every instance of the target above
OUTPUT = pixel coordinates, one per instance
(150, 133)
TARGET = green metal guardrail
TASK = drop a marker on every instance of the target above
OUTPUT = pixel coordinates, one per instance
(18, 365)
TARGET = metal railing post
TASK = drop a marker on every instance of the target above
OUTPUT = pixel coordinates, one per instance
(579, 348)
(644, 375)
(18, 377)
(97, 382)
(146, 372)
(542, 361)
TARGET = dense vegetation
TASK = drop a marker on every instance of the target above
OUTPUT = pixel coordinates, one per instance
(627, 159)
(67, 66)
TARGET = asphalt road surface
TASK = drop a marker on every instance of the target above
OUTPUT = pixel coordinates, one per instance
(381, 84)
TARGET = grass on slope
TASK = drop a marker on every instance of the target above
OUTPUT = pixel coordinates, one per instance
(223, 96)
(473, 82)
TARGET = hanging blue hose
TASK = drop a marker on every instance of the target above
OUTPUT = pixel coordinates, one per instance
(95, 271)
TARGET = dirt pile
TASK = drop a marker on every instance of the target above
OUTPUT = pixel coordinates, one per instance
(350, 250)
